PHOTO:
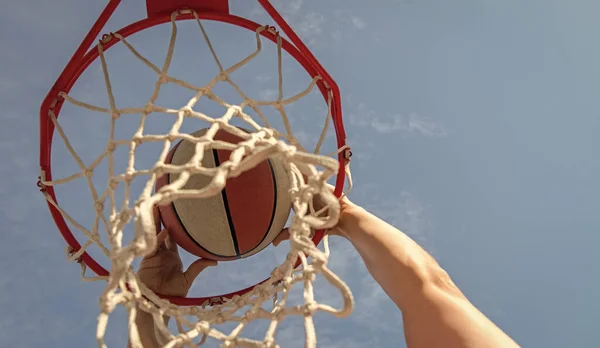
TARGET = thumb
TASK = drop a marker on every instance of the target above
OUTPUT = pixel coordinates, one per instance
(195, 268)
(283, 235)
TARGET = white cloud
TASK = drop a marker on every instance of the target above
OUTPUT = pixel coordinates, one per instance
(291, 7)
(309, 26)
(345, 17)
(412, 123)
(311, 21)
(262, 78)
(358, 23)
(268, 94)
(363, 116)
(425, 126)
(407, 213)
(376, 314)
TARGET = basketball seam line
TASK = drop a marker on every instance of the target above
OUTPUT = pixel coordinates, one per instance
(185, 230)
(227, 211)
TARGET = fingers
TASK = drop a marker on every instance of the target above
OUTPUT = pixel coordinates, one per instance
(283, 235)
(195, 268)
(160, 240)
(162, 236)
(318, 200)
(171, 245)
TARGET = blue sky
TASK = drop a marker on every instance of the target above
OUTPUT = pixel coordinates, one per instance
(474, 127)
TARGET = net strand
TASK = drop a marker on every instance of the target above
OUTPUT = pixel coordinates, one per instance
(308, 174)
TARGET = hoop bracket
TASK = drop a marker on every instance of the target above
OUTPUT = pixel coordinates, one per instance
(156, 8)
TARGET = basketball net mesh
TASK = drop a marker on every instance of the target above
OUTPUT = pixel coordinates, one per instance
(308, 175)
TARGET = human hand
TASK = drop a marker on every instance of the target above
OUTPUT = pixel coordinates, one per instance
(318, 204)
(162, 270)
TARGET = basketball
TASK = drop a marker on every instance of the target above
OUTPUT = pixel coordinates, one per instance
(240, 221)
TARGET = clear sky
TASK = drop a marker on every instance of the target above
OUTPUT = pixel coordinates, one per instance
(474, 125)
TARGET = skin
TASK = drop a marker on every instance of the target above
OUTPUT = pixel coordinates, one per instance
(435, 312)
(162, 271)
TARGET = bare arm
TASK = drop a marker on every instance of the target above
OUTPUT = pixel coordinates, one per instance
(162, 271)
(435, 312)
(147, 332)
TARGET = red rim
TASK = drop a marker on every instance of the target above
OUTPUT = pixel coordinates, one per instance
(81, 60)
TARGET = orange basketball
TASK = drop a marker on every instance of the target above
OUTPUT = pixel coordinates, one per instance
(240, 221)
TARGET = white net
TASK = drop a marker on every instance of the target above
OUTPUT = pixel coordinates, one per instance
(308, 171)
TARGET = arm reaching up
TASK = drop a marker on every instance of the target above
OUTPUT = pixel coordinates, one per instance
(435, 312)
(162, 271)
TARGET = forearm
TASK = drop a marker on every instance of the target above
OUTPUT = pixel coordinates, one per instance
(146, 329)
(396, 262)
(435, 312)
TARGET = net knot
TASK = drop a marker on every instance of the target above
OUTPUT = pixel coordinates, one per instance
(187, 111)
(270, 342)
(289, 151)
(262, 292)
(124, 216)
(106, 305)
(310, 308)
(277, 273)
(219, 318)
(159, 170)
(319, 260)
(238, 301)
(148, 108)
(249, 316)
(203, 327)
(270, 132)
(129, 176)
(237, 111)
(115, 115)
(182, 340)
(308, 275)
(223, 76)
(113, 183)
(163, 79)
(111, 146)
(230, 343)
(278, 314)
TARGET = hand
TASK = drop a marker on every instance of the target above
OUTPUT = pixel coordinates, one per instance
(318, 204)
(162, 270)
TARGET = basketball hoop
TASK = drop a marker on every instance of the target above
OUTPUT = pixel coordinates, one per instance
(308, 179)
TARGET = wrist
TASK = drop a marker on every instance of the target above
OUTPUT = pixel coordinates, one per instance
(350, 214)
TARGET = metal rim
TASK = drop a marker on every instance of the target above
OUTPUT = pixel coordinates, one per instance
(70, 76)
